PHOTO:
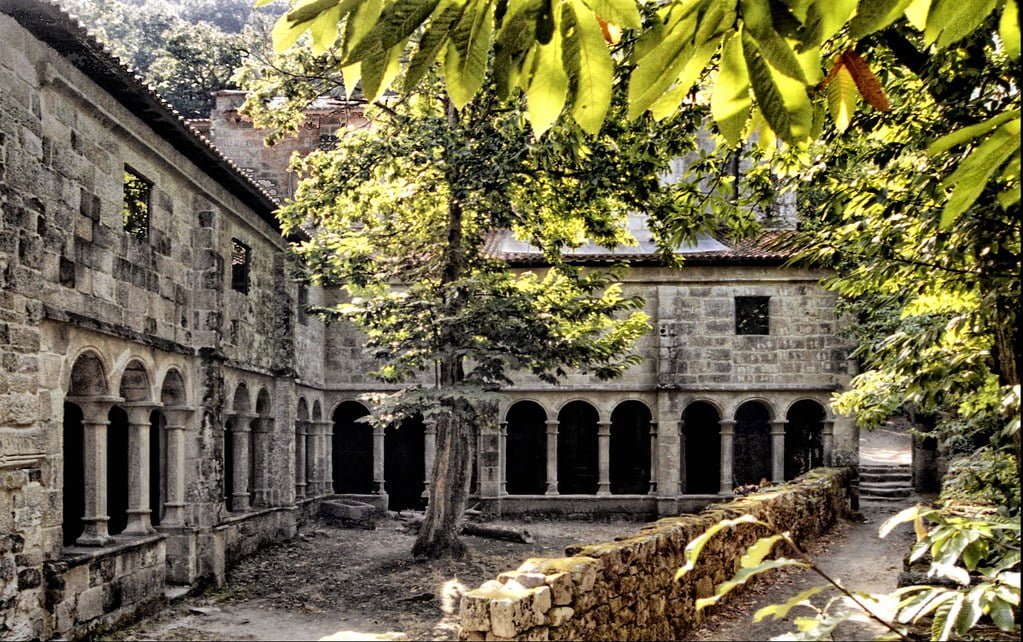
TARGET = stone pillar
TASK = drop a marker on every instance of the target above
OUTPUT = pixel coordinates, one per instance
(311, 461)
(603, 457)
(378, 459)
(301, 429)
(327, 430)
(241, 443)
(653, 458)
(828, 442)
(139, 425)
(429, 454)
(778, 450)
(174, 507)
(262, 429)
(95, 419)
(667, 463)
(552, 457)
(727, 432)
(683, 482)
(503, 459)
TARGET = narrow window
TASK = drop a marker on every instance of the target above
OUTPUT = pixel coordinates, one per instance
(752, 315)
(303, 303)
(239, 266)
(137, 191)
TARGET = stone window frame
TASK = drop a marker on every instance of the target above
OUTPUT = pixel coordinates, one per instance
(241, 266)
(137, 221)
(753, 315)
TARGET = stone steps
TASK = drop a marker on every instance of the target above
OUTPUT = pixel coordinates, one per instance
(883, 482)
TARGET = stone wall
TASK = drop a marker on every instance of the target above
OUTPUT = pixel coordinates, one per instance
(625, 590)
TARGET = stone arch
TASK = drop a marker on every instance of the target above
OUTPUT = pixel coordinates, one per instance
(241, 402)
(702, 450)
(135, 382)
(752, 443)
(526, 459)
(352, 444)
(804, 444)
(599, 408)
(88, 376)
(173, 392)
(630, 448)
(404, 463)
(577, 448)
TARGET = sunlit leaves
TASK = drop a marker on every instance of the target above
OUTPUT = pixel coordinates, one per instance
(842, 96)
(730, 103)
(589, 65)
(1008, 29)
(465, 63)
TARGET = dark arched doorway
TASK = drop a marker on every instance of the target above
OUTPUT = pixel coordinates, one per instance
(404, 469)
(117, 470)
(157, 466)
(630, 448)
(74, 474)
(526, 461)
(352, 446)
(752, 444)
(577, 449)
(804, 448)
(702, 432)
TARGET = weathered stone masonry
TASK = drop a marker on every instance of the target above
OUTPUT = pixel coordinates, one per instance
(166, 406)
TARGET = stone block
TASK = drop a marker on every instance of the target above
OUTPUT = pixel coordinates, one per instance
(558, 615)
(90, 604)
(516, 608)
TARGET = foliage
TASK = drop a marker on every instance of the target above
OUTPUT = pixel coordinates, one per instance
(986, 477)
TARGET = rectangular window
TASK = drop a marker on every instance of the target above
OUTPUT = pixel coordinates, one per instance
(752, 315)
(240, 257)
(137, 192)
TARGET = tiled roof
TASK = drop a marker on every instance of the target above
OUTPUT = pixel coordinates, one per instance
(50, 23)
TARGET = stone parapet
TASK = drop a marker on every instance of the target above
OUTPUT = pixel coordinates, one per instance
(626, 589)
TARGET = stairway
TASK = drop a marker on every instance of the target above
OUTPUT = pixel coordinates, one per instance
(885, 482)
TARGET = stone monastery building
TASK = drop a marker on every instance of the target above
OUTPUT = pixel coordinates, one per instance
(167, 406)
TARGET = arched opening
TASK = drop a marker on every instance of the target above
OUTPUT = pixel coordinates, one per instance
(74, 473)
(752, 444)
(702, 449)
(804, 447)
(135, 382)
(630, 448)
(117, 470)
(172, 392)
(88, 378)
(157, 466)
(526, 460)
(577, 449)
(229, 437)
(404, 467)
(352, 444)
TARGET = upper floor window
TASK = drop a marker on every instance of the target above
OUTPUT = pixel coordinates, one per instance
(240, 259)
(137, 193)
(752, 315)
(303, 304)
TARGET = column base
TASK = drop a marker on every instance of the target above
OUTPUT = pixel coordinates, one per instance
(604, 488)
(174, 515)
(240, 503)
(552, 488)
(93, 539)
(138, 523)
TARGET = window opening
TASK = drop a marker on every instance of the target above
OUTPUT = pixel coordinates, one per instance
(752, 315)
(240, 258)
(137, 192)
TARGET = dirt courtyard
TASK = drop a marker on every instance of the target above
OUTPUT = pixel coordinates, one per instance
(348, 584)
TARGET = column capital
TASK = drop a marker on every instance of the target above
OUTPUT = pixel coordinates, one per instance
(828, 426)
(603, 428)
(727, 426)
(99, 405)
(176, 416)
(778, 426)
(138, 411)
(243, 415)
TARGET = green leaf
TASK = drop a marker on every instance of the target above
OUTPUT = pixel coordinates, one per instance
(903, 516)
(285, 33)
(431, 43)
(775, 49)
(874, 15)
(779, 611)
(824, 18)
(657, 71)
(945, 618)
(783, 100)
(1001, 614)
(511, 46)
(951, 20)
(966, 134)
(624, 13)
(396, 23)
(261, 3)
(323, 29)
(1010, 195)
(743, 576)
(306, 10)
(973, 173)
(465, 63)
(1008, 29)
(547, 86)
(971, 611)
(756, 553)
(379, 68)
(695, 546)
(916, 13)
(730, 101)
(842, 98)
(589, 64)
(668, 103)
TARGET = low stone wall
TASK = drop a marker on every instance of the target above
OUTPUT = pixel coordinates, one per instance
(90, 590)
(625, 590)
(239, 536)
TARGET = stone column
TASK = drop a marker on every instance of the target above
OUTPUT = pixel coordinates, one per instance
(312, 488)
(552, 457)
(241, 443)
(604, 457)
(683, 483)
(828, 442)
(653, 458)
(327, 430)
(378, 459)
(300, 482)
(262, 428)
(174, 507)
(139, 425)
(778, 450)
(503, 460)
(429, 454)
(727, 432)
(667, 462)
(95, 419)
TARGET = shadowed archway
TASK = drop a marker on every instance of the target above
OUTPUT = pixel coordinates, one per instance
(577, 449)
(353, 449)
(630, 448)
(404, 466)
(804, 448)
(752, 444)
(702, 449)
(526, 461)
